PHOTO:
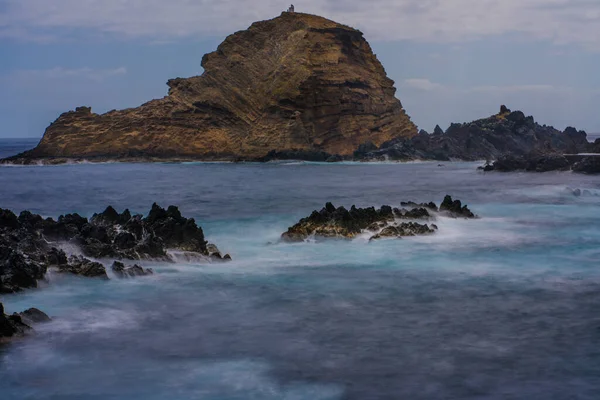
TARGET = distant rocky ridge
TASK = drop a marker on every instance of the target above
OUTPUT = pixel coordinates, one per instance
(30, 244)
(298, 83)
(385, 222)
(506, 133)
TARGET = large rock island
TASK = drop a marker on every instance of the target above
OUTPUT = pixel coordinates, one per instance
(298, 82)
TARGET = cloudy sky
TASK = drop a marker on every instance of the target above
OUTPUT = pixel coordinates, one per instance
(452, 60)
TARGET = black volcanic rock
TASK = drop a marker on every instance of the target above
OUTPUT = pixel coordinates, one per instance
(504, 134)
(454, 208)
(18, 325)
(338, 222)
(588, 165)
(132, 271)
(81, 266)
(29, 244)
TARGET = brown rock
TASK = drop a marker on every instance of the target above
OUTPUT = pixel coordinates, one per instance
(296, 82)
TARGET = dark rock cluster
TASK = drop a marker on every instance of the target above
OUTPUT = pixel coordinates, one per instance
(545, 163)
(30, 244)
(17, 325)
(338, 222)
(506, 133)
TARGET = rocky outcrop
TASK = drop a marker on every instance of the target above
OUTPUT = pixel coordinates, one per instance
(504, 134)
(132, 271)
(455, 209)
(338, 222)
(81, 266)
(298, 82)
(17, 325)
(588, 165)
(545, 163)
(29, 244)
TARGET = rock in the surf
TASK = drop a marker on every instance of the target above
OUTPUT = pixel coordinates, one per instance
(123, 271)
(30, 244)
(17, 325)
(338, 222)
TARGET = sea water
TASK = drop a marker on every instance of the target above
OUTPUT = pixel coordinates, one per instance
(503, 307)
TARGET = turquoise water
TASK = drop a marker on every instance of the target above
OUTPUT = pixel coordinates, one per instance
(504, 307)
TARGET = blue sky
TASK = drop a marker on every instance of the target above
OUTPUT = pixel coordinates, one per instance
(452, 61)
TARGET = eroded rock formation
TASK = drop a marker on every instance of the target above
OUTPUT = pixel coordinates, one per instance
(385, 222)
(29, 244)
(298, 82)
(508, 133)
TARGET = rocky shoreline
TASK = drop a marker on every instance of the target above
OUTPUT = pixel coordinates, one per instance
(30, 246)
(385, 222)
(583, 164)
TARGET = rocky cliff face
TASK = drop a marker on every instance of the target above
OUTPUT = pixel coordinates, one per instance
(296, 82)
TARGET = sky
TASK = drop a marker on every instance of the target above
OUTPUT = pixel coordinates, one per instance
(452, 60)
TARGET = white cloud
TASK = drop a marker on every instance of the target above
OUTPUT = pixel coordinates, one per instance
(66, 73)
(517, 89)
(422, 84)
(426, 85)
(560, 21)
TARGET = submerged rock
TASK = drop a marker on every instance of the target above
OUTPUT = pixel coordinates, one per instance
(338, 222)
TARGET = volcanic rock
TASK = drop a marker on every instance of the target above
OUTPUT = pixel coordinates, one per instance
(504, 134)
(338, 222)
(29, 244)
(298, 82)
(123, 271)
(18, 325)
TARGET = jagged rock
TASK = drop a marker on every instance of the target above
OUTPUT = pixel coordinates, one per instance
(81, 266)
(29, 244)
(298, 82)
(11, 325)
(338, 222)
(455, 209)
(18, 325)
(34, 316)
(405, 229)
(176, 231)
(122, 271)
(504, 134)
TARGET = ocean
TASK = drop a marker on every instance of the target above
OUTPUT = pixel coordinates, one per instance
(503, 307)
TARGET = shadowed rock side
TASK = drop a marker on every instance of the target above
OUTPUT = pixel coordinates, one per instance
(29, 244)
(585, 164)
(385, 222)
(298, 82)
(506, 133)
(17, 325)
